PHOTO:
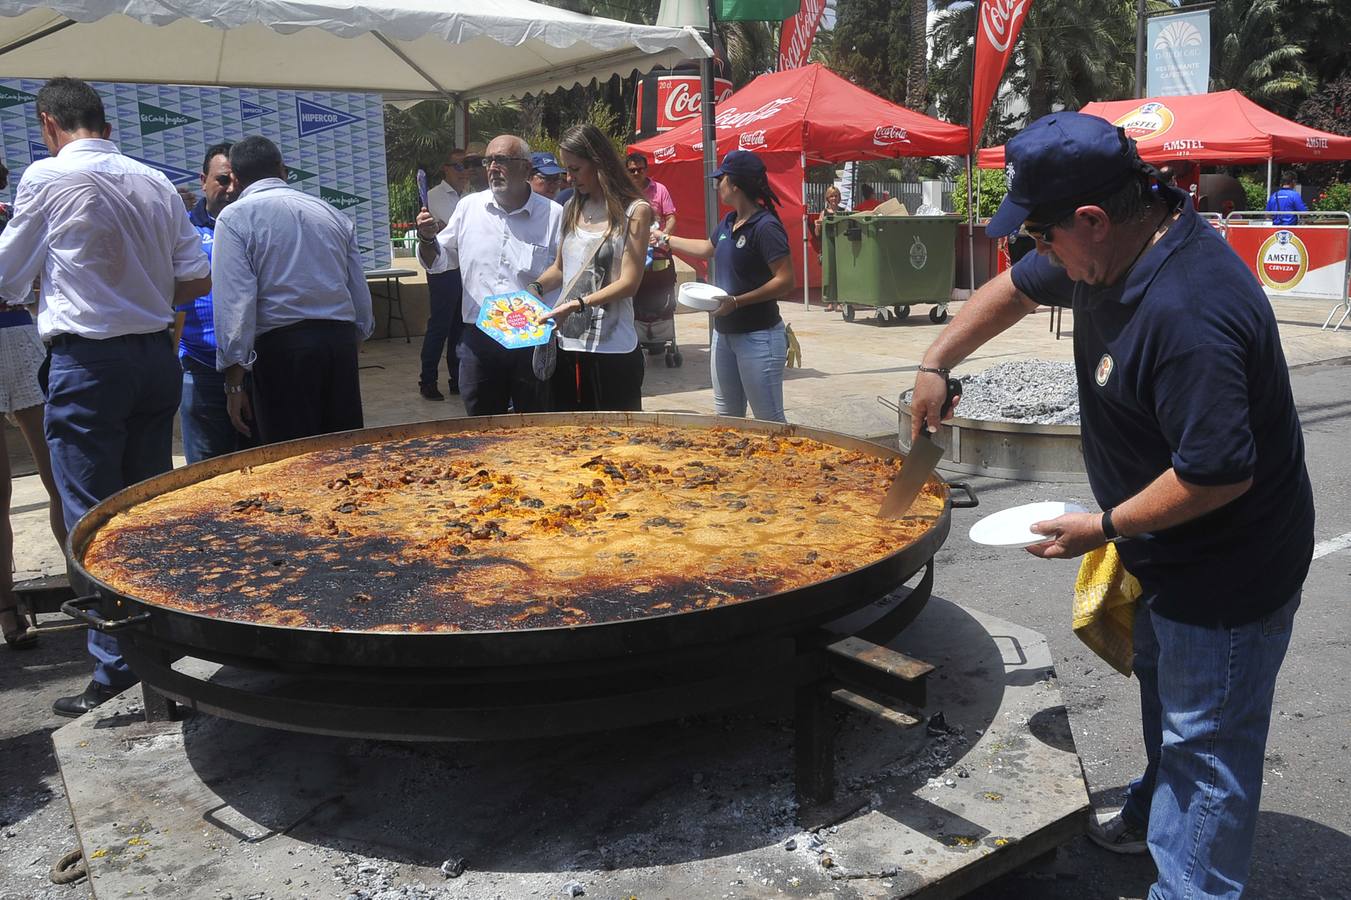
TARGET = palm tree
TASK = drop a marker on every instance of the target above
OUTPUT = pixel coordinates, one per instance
(1255, 52)
(917, 79)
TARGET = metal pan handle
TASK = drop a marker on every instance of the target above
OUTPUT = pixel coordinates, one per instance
(83, 609)
(970, 502)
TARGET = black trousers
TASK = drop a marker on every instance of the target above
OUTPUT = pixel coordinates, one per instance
(493, 378)
(305, 381)
(594, 382)
(444, 324)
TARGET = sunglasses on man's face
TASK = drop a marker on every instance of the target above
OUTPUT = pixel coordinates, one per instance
(458, 167)
(222, 180)
(1042, 231)
(501, 161)
(634, 170)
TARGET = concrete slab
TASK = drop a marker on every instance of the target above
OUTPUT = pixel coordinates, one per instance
(694, 809)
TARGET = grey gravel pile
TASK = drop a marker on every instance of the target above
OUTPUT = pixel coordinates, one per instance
(1034, 391)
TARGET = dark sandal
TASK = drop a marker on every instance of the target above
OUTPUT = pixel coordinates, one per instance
(23, 637)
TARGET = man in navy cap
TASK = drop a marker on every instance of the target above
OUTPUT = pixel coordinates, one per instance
(1193, 449)
(546, 175)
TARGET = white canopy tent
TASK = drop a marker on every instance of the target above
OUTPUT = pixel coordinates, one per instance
(403, 49)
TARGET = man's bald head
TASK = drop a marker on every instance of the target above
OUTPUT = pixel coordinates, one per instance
(508, 158)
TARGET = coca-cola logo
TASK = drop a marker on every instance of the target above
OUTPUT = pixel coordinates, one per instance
(662, 154)
(999, 20)
(736, 119)
(886, 135)
(751, 139)
(681, 99)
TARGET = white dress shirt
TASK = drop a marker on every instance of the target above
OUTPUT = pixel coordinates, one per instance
(497, 251)
(441, 202)
(109, 238)
(282, 257)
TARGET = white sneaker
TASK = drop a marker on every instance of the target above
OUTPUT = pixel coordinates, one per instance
(1110, 831)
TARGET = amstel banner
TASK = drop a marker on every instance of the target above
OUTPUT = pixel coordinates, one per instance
(1305, 261)
(333, 144)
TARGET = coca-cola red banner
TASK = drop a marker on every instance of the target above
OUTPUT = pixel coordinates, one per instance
(795, 40)
(997, 25)
(677, 100)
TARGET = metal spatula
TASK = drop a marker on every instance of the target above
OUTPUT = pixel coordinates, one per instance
(919, 464)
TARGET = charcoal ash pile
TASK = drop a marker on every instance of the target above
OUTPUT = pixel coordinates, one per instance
(1032, 392)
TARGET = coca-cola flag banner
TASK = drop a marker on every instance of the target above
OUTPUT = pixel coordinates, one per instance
(998, 23)
(795, 40)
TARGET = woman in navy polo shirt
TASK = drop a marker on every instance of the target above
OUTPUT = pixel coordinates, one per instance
(751, 263)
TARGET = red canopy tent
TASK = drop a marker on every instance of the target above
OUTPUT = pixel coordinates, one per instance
(1220, 128)
(793, 119)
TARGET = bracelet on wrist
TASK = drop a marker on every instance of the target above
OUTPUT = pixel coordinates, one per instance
(535, 288)
(1108, 529)
(234, 389)
(426, 240)
(934, 371)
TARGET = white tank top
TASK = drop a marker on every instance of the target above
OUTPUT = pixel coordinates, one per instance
(611, 328)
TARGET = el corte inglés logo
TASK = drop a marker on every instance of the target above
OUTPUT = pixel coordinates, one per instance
(1282, 261)
(1147, 121)
(153, 119)
(339, 199)
(14, 97)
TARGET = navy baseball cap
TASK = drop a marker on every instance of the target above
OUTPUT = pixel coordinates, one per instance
(740, 162)
(545, 164)
(1060, 162)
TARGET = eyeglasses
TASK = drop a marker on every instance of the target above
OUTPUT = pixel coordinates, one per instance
(550, 179)
(501, 161)
(458, 167)
(634, 170)
(1042, 233)
(222, 180)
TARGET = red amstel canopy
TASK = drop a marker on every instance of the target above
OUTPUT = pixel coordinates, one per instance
(1220, 128)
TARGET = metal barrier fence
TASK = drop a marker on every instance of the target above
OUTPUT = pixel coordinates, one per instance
(908, 192)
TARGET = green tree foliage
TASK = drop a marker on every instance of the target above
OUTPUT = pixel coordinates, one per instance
(871, 45)
(992, 187)
(1253, 50)
(1329, 109)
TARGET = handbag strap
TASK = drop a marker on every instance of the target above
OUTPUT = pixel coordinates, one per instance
(586, 263)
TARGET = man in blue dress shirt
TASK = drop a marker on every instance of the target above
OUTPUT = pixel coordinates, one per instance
(291, 304)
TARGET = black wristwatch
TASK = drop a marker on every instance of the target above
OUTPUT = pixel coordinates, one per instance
(1108, 529)
(535, 288)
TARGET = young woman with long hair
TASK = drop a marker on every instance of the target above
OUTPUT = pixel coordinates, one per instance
(752, 264)
(601, 254)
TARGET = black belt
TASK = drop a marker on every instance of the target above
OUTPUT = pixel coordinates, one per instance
(65, 340)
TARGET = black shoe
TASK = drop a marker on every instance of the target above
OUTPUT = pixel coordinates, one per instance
(94, 695)
(454, 388)
(429, 392)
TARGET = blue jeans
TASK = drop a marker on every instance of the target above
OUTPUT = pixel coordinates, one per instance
(749, 367)
(445, 321)
(207, 430)
(109, 424)
(1205, 702)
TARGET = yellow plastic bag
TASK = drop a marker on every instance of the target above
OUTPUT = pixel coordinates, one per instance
(794, 358)
(1105, 595)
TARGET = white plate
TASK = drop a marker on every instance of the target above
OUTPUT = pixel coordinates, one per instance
(1012, 527)
(700, 296)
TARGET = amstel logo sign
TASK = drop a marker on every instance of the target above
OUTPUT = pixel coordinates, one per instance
(1146, 122)
(1282, 261)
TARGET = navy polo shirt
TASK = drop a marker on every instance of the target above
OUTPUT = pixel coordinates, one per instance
(1180, 366)
(741, 261)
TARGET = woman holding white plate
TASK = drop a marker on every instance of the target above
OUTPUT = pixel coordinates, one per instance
(753, 268)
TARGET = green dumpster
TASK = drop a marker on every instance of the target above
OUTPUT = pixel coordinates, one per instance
(889, 263)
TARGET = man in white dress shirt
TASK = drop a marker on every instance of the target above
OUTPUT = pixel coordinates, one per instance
(501, 239)
(443, 286)
(290, 302)
(115, 253)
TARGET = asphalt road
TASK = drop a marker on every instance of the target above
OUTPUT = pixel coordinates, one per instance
(1304, 832)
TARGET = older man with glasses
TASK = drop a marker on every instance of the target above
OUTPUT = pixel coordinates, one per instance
(443, 285)
(501, 240)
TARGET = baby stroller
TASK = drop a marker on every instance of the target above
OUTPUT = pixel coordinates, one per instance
(654, 311)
